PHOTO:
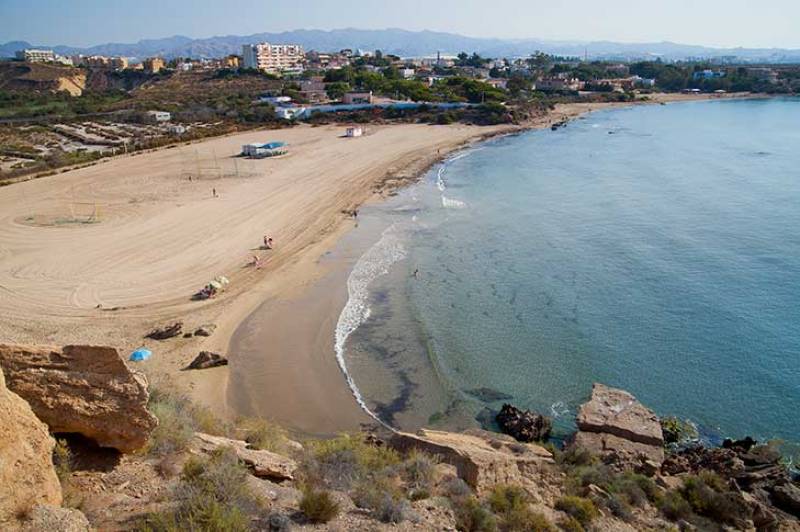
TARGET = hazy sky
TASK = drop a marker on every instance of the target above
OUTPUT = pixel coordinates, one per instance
(729, 23)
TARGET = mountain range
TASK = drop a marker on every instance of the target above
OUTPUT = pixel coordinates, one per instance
(414, 44)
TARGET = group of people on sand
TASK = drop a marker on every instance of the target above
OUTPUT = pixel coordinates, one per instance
(268, 244)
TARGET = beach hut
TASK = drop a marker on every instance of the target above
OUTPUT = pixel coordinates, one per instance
(140, 355)
(352, 132)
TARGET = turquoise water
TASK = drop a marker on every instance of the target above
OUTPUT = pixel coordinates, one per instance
(654, 248)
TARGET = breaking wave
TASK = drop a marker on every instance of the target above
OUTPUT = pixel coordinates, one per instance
(450, 203)
(373, 264)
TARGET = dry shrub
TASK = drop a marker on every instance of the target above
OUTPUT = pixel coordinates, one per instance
(318, 505)
(178, 419)
(512, 505)
(213, 495)
(581, 508)
(472, 516)
(264, 435)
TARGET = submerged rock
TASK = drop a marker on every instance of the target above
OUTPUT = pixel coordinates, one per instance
(27, 476)
(82, 389)
(524, 425)
(488, 395)
(207, 359)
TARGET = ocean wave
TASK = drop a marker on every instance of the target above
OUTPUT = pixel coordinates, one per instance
(440, 178)
(373, 264)
(559, 409)
(450, 203)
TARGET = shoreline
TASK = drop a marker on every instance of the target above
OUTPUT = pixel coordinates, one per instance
(349, 415)
(157, 238)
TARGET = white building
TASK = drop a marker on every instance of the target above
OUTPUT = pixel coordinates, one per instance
(407, 73)
(354, 132)
(33, 55)
(273, 58)
(159, 116)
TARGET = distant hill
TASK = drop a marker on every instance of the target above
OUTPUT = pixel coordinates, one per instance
(416, 43)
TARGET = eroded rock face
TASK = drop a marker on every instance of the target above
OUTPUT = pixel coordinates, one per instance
(621, 430)
(82, 389)
(482, 459)
(27, 476)
(524, 425)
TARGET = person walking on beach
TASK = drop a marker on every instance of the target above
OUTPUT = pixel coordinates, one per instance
(214, 191)
(416, 273)
(267, 242)
(256, 262)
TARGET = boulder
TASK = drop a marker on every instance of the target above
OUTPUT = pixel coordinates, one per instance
(622, 431)
(205, 330)
(615, 450)
(617, 412)
(262, 464)
(524, 425)
(55, 519)
(164, 333)
(482, 459)
(787, 498)
(81, 389)
(27, 476)
(207, 359)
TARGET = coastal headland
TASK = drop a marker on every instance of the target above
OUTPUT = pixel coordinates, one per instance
(103, 254)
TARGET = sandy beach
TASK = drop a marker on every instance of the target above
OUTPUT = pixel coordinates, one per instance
(100, 255)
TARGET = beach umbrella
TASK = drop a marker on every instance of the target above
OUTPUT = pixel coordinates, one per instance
(140, 354)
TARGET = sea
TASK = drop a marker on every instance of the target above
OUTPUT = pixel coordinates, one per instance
(652, 248)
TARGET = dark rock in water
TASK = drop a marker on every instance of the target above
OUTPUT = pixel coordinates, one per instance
(524, 425)
(207, 359)
(488, 395)
(486, 419)
(167, 332)
(205, 330)
(739, 445)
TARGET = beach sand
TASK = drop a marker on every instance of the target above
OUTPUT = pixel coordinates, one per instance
(102, 254)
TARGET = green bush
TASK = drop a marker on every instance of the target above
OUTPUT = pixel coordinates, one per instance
(419, 472)
(512, 505)
(709, 497)
(264, 435)
(582, 509)
(675, 507)
(178, 419)
(472, 516)
(212, 495)
(570, 524)
(677, 430)
(62, 460)
(318, 505)
(344, 461)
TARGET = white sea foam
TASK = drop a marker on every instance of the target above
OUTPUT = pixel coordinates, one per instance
(450, 203)
(559, 409)
(373, 264)
(440, 178)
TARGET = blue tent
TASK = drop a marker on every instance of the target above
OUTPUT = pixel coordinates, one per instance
(140, 354)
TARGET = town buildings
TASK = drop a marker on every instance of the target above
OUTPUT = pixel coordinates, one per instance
(357, 97)
(153, 64)
(34, 55)
(100, 61)
(273, 58)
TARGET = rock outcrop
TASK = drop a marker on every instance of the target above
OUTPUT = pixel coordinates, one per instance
(27, 476)
(482, 459)
(524, 425)
(618, 428)
(167, 332)
(82, 389)
(55, 519)
(207, 359)
(262, 464)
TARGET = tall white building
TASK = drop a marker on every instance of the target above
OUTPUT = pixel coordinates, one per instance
(273, 58)
(32, 55)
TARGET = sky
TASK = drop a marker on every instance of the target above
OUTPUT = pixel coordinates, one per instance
(721, 23)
